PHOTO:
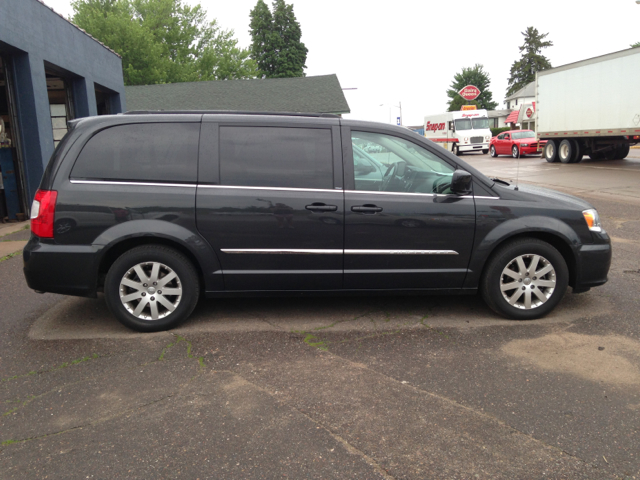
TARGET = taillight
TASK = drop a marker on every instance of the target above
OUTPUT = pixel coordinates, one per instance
(43, 211)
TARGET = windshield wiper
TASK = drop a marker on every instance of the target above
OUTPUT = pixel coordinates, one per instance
(502, 182)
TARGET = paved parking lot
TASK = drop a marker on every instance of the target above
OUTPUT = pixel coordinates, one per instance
(385, 387)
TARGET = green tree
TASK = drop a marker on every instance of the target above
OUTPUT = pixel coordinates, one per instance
(276, 41)
(471, 76)
(523, 71)
(635, 45)
(164, 41)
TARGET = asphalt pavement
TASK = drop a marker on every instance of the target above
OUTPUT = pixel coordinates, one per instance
(385, 387)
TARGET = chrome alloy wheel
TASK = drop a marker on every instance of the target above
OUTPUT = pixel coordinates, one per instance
(150, 291)
(528, 281)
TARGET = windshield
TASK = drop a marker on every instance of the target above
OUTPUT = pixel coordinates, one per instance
(524, 134)
(463, 124)
(480, 123)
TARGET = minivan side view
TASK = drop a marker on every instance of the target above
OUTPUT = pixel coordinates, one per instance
(157, 209)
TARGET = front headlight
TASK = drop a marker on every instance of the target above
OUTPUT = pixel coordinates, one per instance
(487, 138)
(466, 139)
(592, 219)
(524, 144)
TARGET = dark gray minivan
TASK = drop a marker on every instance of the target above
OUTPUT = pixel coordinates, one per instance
(156, 209)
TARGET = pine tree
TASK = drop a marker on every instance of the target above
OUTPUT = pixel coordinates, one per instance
(276, 46)
(471, 76)
(523, 71)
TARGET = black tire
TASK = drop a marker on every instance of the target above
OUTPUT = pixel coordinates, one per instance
(185, 282)
(596, 156)
(492, 151)
(622, 151)
(515, 152)
(567, 151)
(484, 152)
(494, 279)
(455, 150)
(550, 151)
(579, 152)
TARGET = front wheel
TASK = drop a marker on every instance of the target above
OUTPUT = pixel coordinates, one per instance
(515, 153)
(455, 150)
(525, 279)
(151, 288)
(493, 152)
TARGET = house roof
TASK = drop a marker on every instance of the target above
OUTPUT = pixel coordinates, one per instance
(528, 91)
(321, 94)
(498, 113)
(74, 25)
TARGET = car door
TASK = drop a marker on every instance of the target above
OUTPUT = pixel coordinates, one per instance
(270, 201)
(498, 143)
(409, 232)
(506, 144)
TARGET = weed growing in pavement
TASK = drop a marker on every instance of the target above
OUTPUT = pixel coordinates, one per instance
(63, 365)
(11, 255)
(180, 339)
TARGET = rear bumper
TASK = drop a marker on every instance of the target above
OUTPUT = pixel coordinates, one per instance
(65, 269)
(593, 265)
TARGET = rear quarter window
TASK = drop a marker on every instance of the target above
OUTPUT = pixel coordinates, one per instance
(145, 152)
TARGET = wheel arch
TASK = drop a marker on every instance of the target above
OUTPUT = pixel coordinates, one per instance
(557, 234)
(126, 236)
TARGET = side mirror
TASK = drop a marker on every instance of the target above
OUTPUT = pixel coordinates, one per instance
(461, 182)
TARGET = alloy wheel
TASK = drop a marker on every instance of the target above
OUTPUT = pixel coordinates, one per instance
(528, 281)
(150, 291)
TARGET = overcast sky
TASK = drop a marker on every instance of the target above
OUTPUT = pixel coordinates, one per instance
(407, 51)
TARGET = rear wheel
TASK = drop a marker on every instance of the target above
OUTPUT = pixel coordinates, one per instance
(567, 151)
(550, 151)
(524, 279)
(151, 288)
(579, 152)
(622, 151)
(493, 152)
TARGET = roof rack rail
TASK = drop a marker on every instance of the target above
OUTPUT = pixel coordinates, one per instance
(230, 112)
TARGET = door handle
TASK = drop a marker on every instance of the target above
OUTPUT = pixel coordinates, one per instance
(366, 209)
(321, 207)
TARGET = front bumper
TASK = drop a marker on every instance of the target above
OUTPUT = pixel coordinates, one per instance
(65, 269)
(593, 264)
(471, 147)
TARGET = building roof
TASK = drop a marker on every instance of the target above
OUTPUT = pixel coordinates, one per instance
(513, 117)
(528, 91)
(83, 31)
(321, 94)
(498, 113)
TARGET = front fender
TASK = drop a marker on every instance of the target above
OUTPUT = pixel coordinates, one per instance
(488, 240)
(186, 238)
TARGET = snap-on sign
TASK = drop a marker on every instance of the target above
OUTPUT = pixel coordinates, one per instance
(434, 126)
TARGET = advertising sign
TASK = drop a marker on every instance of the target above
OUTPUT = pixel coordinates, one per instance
(469, 107)
(470, 92)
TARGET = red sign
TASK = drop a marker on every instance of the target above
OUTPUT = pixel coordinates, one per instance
(529, 112)
(469, 92)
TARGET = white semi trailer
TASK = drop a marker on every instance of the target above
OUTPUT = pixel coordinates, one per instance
(590, 107)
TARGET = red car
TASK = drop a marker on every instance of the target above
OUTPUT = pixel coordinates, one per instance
(516, 143)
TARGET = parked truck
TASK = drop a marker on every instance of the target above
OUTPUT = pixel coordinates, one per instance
(459, 132)
(591, 107)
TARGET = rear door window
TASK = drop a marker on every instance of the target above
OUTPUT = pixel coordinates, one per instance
(276, 157)
(143, 152)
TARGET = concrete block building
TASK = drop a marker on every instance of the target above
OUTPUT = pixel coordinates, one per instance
(51, 71)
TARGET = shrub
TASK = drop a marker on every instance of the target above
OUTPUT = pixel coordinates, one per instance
(498, 131)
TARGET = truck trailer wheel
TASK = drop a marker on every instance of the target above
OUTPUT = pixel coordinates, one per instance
(579, 152)
(567, 150)
(622, 151)
(551, 151)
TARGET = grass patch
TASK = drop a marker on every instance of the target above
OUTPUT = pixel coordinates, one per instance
(11, 255)
(63, 365)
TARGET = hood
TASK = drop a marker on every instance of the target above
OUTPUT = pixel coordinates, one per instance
(542, 195)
